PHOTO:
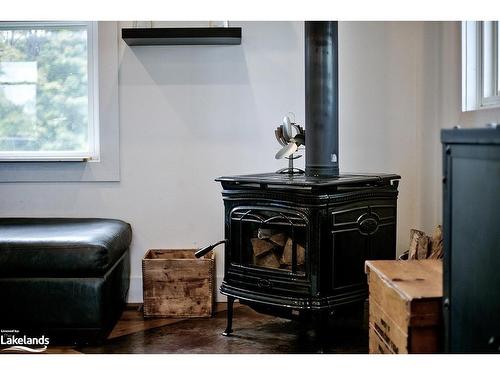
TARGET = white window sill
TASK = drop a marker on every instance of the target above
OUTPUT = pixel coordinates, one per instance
(17, 159)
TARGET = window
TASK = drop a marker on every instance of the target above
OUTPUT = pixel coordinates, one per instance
(480, 65)
(48, 91)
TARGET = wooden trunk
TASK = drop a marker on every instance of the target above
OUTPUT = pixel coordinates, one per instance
(405, 306)
(176, 284)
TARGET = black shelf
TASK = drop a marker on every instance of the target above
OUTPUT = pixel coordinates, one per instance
(156, 36)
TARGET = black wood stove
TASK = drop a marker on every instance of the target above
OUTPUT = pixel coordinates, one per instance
(296, 243)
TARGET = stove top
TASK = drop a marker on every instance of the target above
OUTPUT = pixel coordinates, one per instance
(306, 181)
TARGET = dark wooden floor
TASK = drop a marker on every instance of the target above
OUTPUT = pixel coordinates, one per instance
(253, 333)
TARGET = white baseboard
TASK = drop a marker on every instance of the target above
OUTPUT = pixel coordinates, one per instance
(135, 290)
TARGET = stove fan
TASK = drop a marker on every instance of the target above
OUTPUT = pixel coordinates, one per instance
(291, 136)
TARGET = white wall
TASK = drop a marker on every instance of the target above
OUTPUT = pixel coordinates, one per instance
(191, 113)
(378, 114)
(439, 106)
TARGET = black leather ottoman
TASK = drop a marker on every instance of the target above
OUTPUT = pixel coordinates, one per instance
(65, 278)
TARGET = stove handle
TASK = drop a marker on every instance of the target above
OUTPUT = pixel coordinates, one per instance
(205, 250)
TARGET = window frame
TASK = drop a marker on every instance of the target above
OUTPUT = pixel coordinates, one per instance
(92, 154)
(473, 75)
(107, 168)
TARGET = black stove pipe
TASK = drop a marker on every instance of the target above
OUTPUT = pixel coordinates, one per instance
(322, 87)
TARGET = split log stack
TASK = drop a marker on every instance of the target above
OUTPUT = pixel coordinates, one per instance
(275, 250)
(423, 246)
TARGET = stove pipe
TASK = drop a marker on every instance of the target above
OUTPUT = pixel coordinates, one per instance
(322, 98)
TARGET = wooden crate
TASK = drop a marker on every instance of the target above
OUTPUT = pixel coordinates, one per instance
(176, 284)
(405, 306)
(377, 344)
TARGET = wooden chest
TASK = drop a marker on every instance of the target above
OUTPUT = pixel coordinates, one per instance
(176, 284)
(405, 306)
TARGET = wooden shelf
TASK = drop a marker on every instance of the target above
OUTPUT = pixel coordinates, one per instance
(156, 36)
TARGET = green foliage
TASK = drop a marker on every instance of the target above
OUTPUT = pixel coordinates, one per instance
(57, 118)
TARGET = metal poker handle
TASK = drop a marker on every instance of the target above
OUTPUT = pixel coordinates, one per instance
(207, 249)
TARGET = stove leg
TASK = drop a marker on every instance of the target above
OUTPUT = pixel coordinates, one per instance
(229, 327)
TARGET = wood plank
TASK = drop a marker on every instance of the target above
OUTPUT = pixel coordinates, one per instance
(411, 279)
(133, 320)
(177, 307)
(425, 340)
(408, 339)
(395, 337)
(381, 293)
(376, 344)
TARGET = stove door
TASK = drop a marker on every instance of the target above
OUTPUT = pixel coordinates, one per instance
(269, 238)
(361, 232)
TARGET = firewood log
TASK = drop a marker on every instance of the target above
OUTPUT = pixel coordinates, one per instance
(268, 260)
(438, 254)
(261, 247)
(279, 239)
(287, 253)
(419, 245)
(436, 251)
(423, 247)
(414, 235)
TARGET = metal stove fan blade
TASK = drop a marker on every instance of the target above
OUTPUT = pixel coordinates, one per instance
(287, 128)
(279, 136)
(286, 151)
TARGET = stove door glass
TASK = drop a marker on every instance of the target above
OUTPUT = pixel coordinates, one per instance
(269, 238)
